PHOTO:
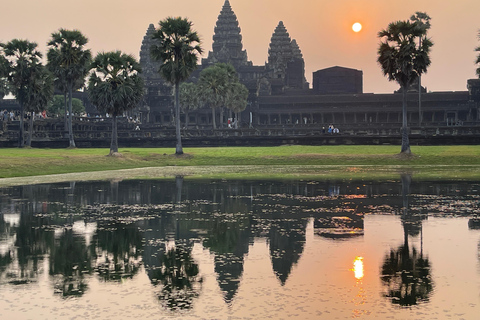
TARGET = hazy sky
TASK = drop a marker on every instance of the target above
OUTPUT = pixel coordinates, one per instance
(322, 29)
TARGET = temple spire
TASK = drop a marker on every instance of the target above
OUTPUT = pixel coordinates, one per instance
(149, 66)
(285, 59)
(227, 44)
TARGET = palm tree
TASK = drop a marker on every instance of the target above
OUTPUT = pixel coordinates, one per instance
(423, 20)
(176, 45)
(212, 86)
(40, 93)
(23, 60)
(402, 61)
(70, 62)
(115, 86)
(232, 77)
(215, 84)
(189, 98)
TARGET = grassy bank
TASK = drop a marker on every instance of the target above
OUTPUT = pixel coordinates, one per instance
(341, 161)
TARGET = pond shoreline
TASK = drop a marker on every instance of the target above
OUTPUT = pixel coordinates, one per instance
(255, 172)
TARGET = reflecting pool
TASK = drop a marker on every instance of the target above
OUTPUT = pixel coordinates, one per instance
(189, 249)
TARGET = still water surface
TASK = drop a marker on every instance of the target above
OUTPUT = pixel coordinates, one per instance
(240, 250)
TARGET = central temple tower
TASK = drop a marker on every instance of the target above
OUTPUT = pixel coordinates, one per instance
(227, 44)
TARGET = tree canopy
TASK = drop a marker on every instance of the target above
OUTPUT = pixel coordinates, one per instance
(115, 86)
(177, 46)
(39, 94)
(398, 55)
(219, 86)
(21, 60)
(56, 106)
(70, 62)
(401, 60)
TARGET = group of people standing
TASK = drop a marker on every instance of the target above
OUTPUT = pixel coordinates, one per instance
(7, 116)
(331, 129)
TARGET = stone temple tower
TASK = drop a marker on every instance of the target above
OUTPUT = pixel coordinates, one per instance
(149, 66)
(153, 80)
(285, 60)
(227, 44)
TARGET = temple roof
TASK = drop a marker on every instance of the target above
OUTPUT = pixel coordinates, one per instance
(149, 66)
(227, 41)
(297, 53)
(280, 51)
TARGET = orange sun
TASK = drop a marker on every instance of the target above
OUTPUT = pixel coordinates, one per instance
(357, 27)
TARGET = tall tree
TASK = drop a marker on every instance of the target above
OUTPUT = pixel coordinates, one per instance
(115, 86)
(176, 45)
(39, 94)
(23, 60)
(214, 85)
(402, 61)
(423, 22)
(232, 78)
(189, 98)
(70, 62)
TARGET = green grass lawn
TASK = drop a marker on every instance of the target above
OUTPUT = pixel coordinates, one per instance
(459, 161)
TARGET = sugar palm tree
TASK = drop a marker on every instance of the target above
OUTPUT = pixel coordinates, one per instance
(402, 61)
(115, 86)
(176, 46)
(70, 62)
(22, 60)
(423, 21)
(213, 86)
(39, 94)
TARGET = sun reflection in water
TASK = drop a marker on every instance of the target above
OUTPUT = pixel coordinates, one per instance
(358, 267)
(360, 298)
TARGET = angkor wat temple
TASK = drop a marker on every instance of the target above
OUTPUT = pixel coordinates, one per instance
(283, 73)
(282, 108)
(280, 94)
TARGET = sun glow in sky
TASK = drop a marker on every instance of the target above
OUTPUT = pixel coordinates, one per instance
(322, 29)
(357, 27)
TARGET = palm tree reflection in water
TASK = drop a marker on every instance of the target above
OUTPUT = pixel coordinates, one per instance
(178, 277)
(406, 273)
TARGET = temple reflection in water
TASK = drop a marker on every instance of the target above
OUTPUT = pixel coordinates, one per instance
(115, 231)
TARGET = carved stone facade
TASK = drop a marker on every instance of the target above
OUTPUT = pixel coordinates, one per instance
(280, 94)
(285, 62)
(227, 44)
